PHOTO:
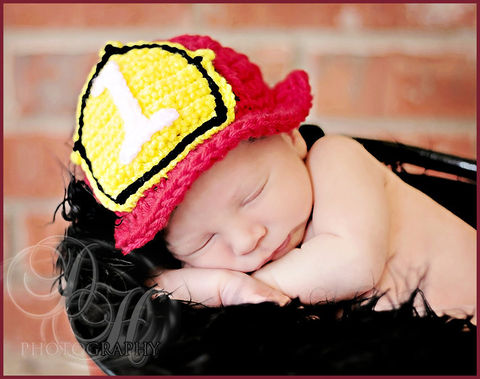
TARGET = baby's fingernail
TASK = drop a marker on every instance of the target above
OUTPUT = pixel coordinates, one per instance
(279, 299)
(283, 300)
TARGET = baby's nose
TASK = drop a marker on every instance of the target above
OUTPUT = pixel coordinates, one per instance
(247, 239)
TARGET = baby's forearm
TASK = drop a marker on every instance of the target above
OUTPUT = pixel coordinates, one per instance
(326, 267)
(215, 287)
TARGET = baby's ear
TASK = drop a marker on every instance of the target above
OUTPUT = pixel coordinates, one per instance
(298, 143)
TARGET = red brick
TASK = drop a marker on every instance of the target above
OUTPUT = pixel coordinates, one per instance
(33, 165)
(275, 61)
(461, 144)
(40, 226)
(439, 85)
(7, 235)
(412, 169)
(40, 260)
(270, 15)
(338, 87)
(441, 16)
(366, 16)
(97, 15)
(372, 16)
(50, 84)
(413, 16)
(28, 318)
(438, 16)
(42, 238)
(396, 85)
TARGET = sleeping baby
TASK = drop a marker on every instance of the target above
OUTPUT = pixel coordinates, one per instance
(328, 225)
(183, 139)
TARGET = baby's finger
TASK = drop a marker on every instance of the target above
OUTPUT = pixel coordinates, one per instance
(191, 284)
(274, 297)
(241, 289)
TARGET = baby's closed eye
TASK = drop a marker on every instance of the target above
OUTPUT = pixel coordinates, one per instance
(207, 241)
(194, 250)
(256, 193)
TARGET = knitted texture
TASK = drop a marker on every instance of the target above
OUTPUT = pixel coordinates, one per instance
(203, 98)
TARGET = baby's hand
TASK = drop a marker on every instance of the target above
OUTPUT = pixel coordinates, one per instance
(326, 267)
(216, 287)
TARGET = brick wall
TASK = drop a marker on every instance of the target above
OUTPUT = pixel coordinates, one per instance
(404, 72)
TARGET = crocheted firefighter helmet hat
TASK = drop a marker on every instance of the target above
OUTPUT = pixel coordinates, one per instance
(153, 116)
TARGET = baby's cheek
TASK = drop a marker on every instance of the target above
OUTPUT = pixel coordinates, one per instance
(215, 257)
(294, 207)
(296, 198)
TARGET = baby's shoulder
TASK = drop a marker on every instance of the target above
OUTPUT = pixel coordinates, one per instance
(334, 152)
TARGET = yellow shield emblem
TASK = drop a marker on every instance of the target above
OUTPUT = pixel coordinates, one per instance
(144, 107)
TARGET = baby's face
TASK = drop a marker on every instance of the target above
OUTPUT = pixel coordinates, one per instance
(248, 209)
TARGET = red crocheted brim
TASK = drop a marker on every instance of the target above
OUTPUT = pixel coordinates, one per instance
(259, 111)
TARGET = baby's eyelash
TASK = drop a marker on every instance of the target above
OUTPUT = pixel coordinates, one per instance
(255, 194)
(205, 244)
